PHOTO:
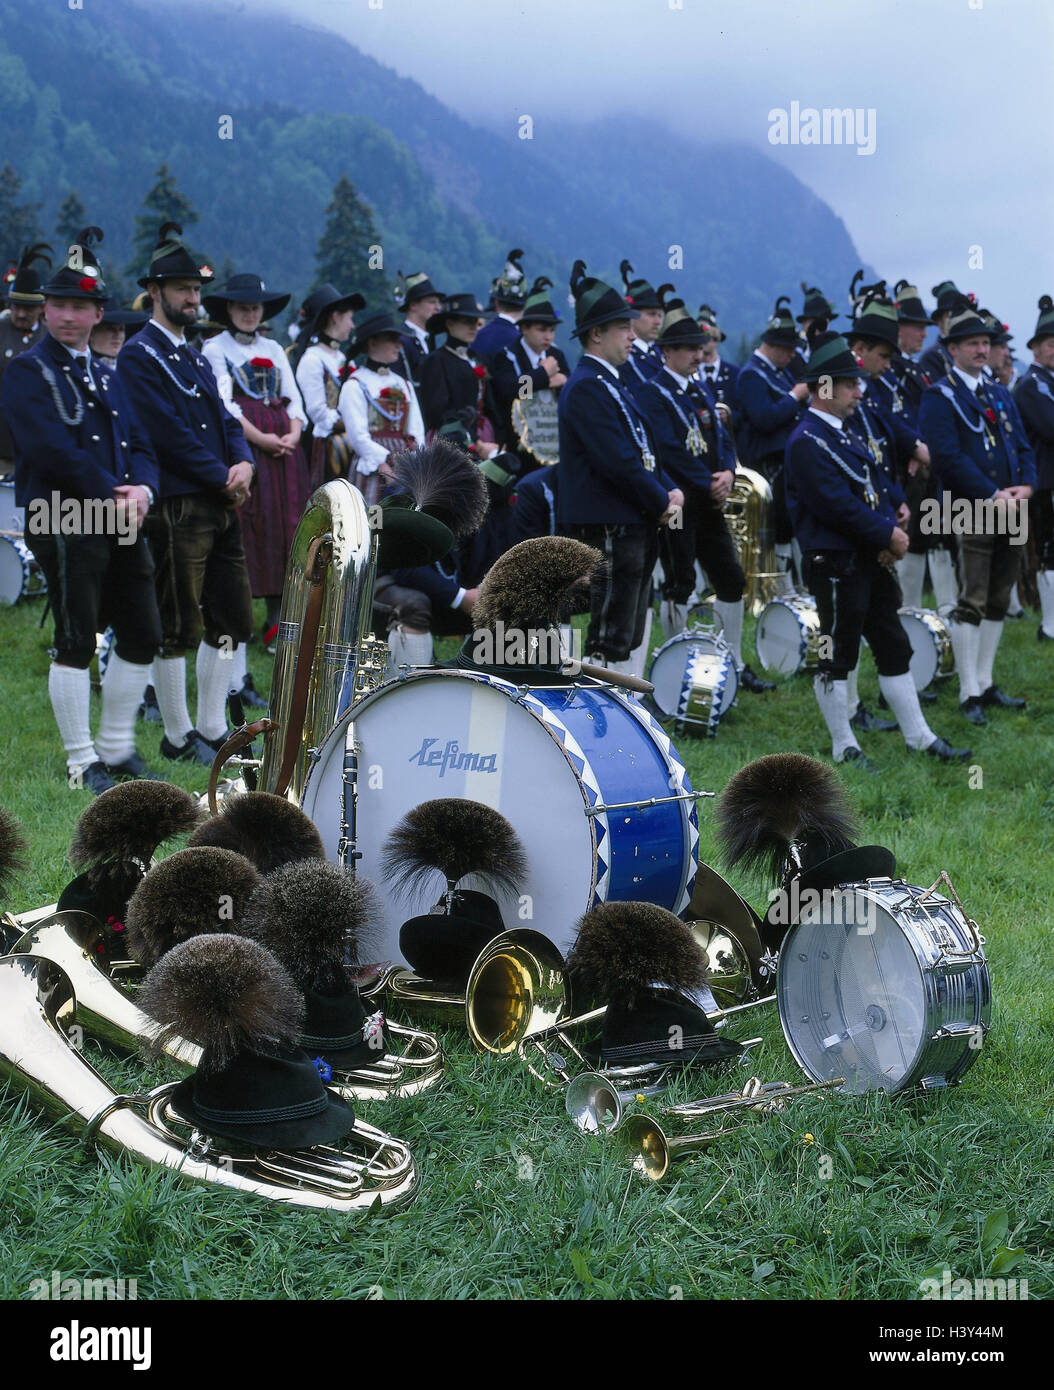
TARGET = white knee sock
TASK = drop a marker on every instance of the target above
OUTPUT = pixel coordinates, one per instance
(170, 686)
(149, 680)
(832, 698)
(214, 678)
(1014, 606)
(731, 615)
(408, 649)
(903, 700)
(638, 657)
(70, 692)
(238, 669)
(988, 642)
(945, 580)
(1045, 585)
(911, 571)
(852, 694)
(122, 690)
(965, 637)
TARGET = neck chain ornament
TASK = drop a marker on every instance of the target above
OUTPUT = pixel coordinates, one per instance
(866, 482)
(56, 395)
(637, 430)
(694, 442)
(186, 390)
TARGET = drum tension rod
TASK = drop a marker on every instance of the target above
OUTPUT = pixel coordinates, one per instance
(600, 809)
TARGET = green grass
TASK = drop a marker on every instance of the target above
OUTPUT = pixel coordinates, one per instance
(913, 1178)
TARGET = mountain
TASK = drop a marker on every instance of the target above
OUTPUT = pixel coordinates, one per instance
(98, 100)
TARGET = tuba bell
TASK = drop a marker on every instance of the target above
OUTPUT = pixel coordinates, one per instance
(38, 1009)
(748, 509)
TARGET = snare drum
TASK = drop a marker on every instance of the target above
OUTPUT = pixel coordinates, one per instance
(695, 679)
(12, 517)
(560, 763)
(20, 575)
(787, 635)
(885, 984)
(932, 656)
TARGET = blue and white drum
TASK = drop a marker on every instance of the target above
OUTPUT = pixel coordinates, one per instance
(560, 763)
(695, 678)
(787, 635)
(20, 575)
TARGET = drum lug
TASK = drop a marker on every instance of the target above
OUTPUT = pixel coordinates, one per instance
(933, 1083)
(958, 966)
(960, 1030)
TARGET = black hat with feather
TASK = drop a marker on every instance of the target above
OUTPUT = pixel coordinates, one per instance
(171, 259)
(80, 276)
(1045, 322)
(596, 303)
(254, 1084)
(874, 313)
(442, 498)
(314, 917)
(645, 965)
(638, 291)
(191, 893)
(538, 307)
(788, 815)
(780, 330)
(268, 830)
(510, 287)
(816, 306)
(114, 840)
(24, 285)
(452, 838)
(910, 308)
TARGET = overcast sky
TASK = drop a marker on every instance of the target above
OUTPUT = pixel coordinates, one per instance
(956, 96)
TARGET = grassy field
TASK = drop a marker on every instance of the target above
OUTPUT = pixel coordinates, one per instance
(835, 1198)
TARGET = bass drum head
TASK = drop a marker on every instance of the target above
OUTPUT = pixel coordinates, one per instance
(688, 666)
(541, 759)
(14, 569)
(851, 994)
(781, 637)
(930, 645)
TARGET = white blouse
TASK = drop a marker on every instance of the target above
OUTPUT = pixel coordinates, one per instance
(226, 348)
(316, 363)
(355, 414)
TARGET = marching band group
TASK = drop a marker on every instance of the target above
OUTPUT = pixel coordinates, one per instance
(216, 451)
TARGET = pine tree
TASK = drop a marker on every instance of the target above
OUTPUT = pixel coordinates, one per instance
(344, 254)
(164, 203)
(19, 222)
(70, 221)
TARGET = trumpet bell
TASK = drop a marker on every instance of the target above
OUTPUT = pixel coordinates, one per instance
(516, 988)
(650, 1151)
(594, 1104)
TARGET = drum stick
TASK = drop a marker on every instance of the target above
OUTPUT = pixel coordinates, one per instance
(621, 678)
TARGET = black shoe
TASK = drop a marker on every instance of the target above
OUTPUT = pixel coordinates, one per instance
(251, 696)
(994, 696)
(853, 757)
(1014, 616)
(869, 723)
(134, 766)
(940, 748)
(197, 749)
(749, 681)
(927, 697)
(94, 778)
(971, 709)
(1043, 636)
(149, 710)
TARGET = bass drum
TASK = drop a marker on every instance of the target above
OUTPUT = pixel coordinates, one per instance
(695, 679)
(12, 516)
(550, 759)
(787, 634)
(885, 984)
(932, 656)
(20, 575)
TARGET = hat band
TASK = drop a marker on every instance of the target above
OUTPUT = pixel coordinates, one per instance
(368, 1030)
(301, 1111)
(689, 1042)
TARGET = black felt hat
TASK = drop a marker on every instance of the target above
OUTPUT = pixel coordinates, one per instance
(171, 259)
(780, 330)
(1000, 331)
(638, 291)
(910, 308)
(707, 320)
(114, 312)
(442, 498)
(679, 329)
(510, 287)
(875, 315)
(23, 286)
(596, 303)
(1045, 322)
(965, 322)
(829, 357)
(80, 277)
(321, 303)
(817, 305)
(442, 944)
(537, 306)
(947, 295)
(410, 288)
(244, 288)
(457, 306)
(373, 327)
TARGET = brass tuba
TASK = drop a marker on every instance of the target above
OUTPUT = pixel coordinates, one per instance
(748, 511)
(38, 1009)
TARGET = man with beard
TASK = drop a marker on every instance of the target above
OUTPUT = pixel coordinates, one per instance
(206, 471)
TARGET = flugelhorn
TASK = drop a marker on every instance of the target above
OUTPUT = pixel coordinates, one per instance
(75, 941)
(38, 1009)
(651, 1151)
(595, 1104)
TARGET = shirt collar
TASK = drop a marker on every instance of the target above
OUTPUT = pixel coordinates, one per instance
(416, 329)
(973, 382)
(705, 368)
(84, 355)
(534, 358)
(642, 346)
(832, 420)
(176, 342)
(613, 371)
(682, 381)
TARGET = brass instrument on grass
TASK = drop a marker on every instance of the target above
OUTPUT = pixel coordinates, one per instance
(38, 1015)
(595, 1105)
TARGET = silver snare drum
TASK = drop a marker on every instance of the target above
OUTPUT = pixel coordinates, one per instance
(932, 657)
(20, 575)
(885, 984)
(787, 635)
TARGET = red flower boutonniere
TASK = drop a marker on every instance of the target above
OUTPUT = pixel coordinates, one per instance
(990, 413)
(480, 370)
(87, 284)
(387, 392)
(260, 362)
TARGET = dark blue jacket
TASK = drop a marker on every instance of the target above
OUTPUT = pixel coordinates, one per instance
(936, 361)
(604, 478)
(671, 411)
(105, 448)
(175, 397)
(534, 505)
(724, 383)
(493, 338)
(512, 363)
(887, 392)
(898, 438)
(1034, 398)
(640, 367)
(912, 381)
(767, 411)
(411, 355)
(439, 581)
(956, 429)
(826, 471)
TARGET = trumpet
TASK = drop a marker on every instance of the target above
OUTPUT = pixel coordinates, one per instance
(38, 1011)
(650, 1151)
(594, 1104)
(75, 941)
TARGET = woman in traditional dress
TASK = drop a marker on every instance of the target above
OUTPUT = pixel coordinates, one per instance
(328, 318)
(455, 385)
(257, 385)
(378, 407)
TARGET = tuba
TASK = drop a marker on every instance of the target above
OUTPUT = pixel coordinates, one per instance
(748, 509)
(38, 1011)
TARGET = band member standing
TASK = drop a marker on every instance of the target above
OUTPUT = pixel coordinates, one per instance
(328, 320)
(21, 326)
(77, 441)
(1034, 397)
(508, 291)
(980, 452)
(378, 407)
(530, 364)
(815, 307)
(717, 372)
(419, 301)
(697, 452)
(206, 471)
(644, 359)
(612, 494)
(936, 361)
(770, 402)
(850, 532)
(455, 386)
